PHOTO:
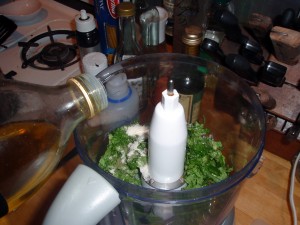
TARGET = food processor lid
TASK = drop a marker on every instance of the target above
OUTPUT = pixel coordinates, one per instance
(85, 198)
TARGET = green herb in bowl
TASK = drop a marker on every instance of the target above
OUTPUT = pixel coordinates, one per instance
(126, 156)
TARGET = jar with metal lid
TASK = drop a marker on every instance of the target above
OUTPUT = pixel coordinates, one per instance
(192, 40)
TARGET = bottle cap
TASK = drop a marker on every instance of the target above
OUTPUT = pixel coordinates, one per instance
(125, 9)
(192, 35)
(94, 63)
(117, 87)
(85, 22)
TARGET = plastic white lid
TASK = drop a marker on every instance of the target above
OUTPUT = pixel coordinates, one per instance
(85, 22)
(94, 63)
(85, 198)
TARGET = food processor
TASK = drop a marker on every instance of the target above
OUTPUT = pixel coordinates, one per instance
(229, 109)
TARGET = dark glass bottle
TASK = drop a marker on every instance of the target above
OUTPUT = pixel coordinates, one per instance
(190, 89)
(214, 30)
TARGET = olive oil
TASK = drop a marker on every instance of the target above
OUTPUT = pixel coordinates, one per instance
(190, 89)
(28, 153)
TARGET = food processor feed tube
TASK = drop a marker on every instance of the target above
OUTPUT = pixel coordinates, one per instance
(167, 142)
(123, 104)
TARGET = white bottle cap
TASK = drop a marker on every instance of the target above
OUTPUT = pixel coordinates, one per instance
(85, 22)
(94, 63)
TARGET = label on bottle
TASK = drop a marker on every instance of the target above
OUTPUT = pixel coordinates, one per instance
(191, 106)
(108, 26)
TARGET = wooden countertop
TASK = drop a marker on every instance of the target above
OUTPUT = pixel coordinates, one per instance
(263, 196)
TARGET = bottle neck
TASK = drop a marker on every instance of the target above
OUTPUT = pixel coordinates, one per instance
(88, 94)
(128, 45)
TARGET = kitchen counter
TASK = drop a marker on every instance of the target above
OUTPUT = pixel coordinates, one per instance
(263, 196)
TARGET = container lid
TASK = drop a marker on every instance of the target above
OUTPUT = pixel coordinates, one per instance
(125, 9)
(85, 22)
(94, 63)
(117, 87)
(192, 35)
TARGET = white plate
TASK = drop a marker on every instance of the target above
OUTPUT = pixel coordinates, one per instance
(22, 10)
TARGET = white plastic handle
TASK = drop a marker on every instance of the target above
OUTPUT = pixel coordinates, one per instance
(85, 198)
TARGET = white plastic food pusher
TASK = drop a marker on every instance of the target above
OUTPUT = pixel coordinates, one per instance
(167, 142)
(85, 198)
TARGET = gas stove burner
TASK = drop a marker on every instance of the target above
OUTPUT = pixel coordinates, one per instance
(59, 53)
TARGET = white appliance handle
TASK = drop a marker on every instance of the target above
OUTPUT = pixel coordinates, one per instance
(85, 198)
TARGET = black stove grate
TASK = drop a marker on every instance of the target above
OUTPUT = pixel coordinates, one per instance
(51, 55)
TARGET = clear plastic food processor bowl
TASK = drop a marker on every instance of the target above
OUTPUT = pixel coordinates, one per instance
(229, 108)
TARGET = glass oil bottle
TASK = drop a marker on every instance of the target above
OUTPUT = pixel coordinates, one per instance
(35, 125)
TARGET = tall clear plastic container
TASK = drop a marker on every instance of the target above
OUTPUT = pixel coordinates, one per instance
(229, 108)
